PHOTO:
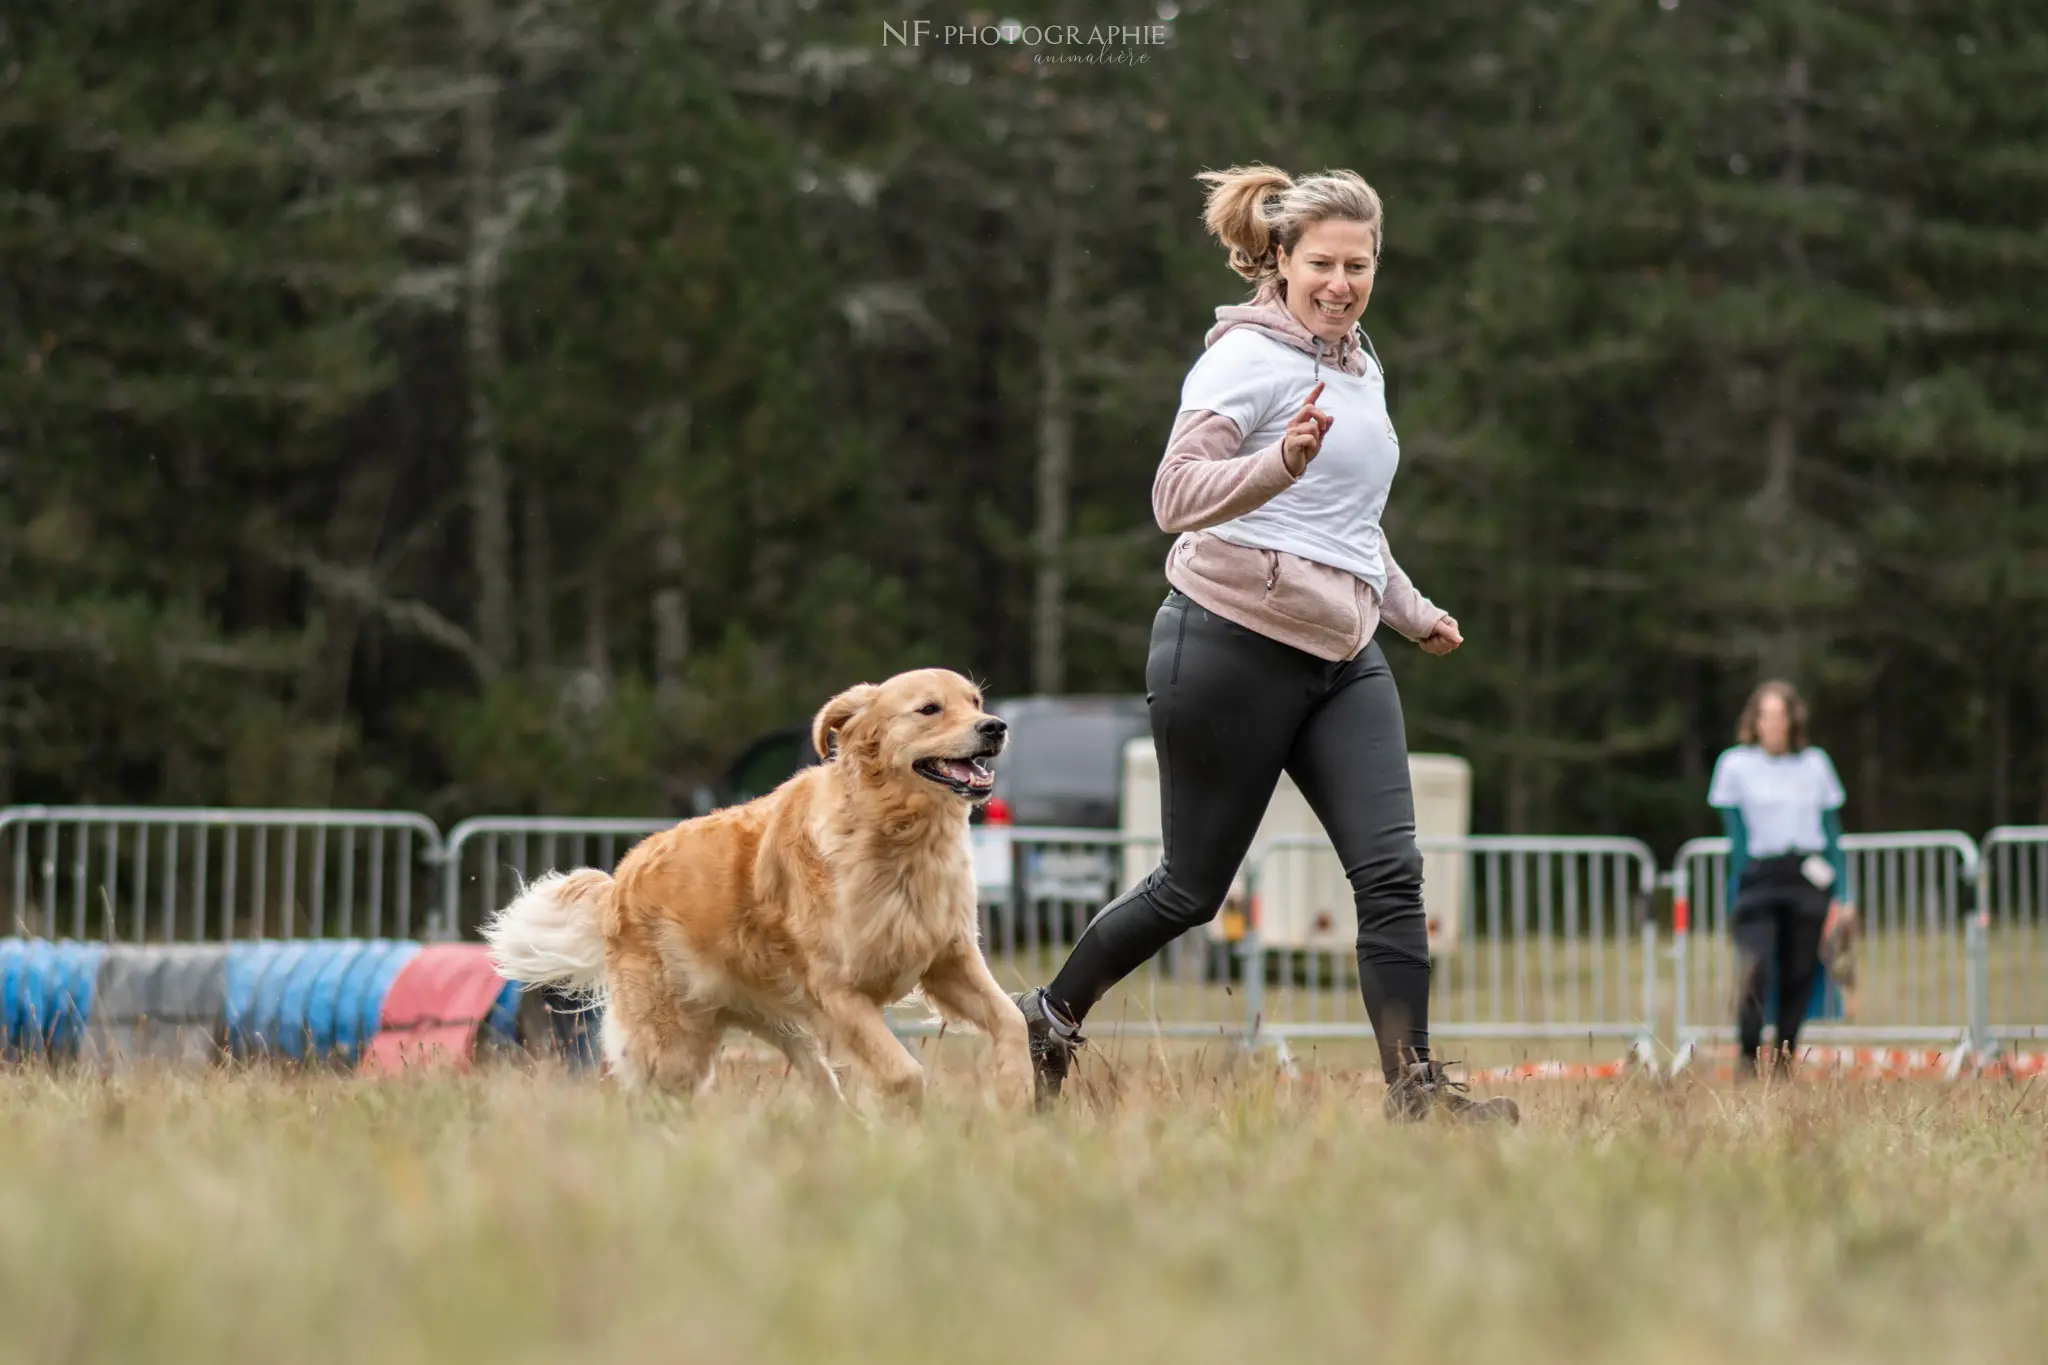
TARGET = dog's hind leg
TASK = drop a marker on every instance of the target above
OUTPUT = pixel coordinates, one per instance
(650, 1039)
(806, 1056)
(620, 1059)
(688, 1053)
(859, 1031)
(675, 1055)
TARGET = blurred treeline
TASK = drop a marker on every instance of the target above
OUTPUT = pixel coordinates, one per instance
(481, 405)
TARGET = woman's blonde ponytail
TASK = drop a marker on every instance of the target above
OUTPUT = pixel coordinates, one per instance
(1232, 214)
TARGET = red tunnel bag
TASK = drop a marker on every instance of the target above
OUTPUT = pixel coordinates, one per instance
(435, 1010)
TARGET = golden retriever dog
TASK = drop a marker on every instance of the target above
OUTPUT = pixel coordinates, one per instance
(799, 916)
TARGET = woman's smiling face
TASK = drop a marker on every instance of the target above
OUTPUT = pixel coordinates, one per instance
(1329, 275)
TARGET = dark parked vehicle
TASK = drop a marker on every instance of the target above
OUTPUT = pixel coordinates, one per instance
(771, 759)
(1064, 766)
(1063, 770)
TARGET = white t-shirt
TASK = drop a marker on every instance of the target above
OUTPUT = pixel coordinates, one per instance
(1781, 798)
(1331, 514)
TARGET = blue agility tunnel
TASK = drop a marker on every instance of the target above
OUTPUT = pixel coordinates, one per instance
(316, 1001)
(258, 974)
(501, 1026)
(46, 992)
(347, 1019)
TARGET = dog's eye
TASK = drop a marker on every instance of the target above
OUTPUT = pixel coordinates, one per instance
(930, 708)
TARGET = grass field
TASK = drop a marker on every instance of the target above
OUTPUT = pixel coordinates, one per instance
(1186, 1210)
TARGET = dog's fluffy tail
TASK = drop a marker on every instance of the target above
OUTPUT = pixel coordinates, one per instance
(552, 934)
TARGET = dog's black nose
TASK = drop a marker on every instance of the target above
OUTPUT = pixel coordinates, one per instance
(992, 727)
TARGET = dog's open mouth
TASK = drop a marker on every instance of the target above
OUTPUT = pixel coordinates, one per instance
(964, 776)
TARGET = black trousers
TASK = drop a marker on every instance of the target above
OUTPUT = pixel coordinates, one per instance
(1231, 709)
(1776, 923)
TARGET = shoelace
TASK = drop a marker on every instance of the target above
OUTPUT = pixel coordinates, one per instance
(1058, 1031)
(1065, 1041)
(1439, 1074)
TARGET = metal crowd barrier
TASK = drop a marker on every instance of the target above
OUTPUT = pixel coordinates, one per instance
(1913, 947)
(140, 874)
(2010, 933)
(1532, 938)
(490, 857)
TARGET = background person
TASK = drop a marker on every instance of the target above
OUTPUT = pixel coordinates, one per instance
(1780, 801)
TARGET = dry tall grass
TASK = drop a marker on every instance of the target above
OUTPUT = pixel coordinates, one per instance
(1183, 1212)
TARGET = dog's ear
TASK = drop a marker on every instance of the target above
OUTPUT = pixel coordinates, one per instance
(836, 715)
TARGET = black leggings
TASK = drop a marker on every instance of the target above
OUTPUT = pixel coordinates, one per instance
(1778, 920)
(1230, 710)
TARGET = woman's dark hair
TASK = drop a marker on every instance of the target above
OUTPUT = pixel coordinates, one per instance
(1795, 714)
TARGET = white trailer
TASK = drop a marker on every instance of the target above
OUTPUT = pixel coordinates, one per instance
(1304, 899)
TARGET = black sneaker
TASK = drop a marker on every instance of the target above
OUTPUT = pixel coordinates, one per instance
(1424, 1088)
(1053, 1043)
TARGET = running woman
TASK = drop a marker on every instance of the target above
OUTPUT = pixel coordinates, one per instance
(1263, 657)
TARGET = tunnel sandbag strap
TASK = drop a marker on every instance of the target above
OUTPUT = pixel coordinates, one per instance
(159, 1003)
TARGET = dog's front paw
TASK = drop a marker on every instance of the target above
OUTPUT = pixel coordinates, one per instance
(1011, 1071)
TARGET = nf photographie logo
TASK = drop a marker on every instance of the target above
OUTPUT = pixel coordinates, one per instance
(1118, 43)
